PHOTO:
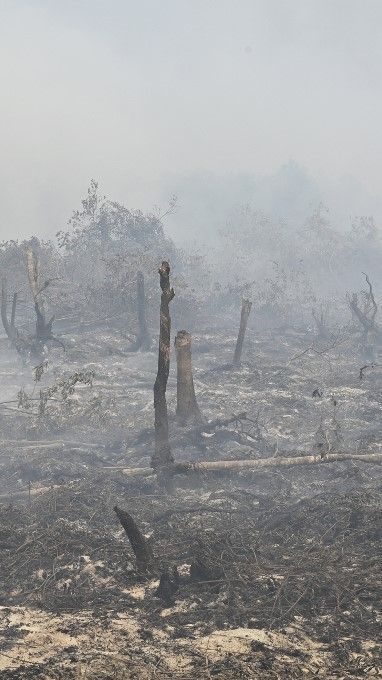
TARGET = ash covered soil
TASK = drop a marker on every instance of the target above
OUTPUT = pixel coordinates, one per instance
(269, 573)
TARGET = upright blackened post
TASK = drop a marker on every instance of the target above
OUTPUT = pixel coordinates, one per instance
(245, 310)
(144, 340)
(162, 457)
(187, 407)
(140, 546)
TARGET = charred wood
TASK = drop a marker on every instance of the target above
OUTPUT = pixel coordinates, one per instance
(162, 457)
(142, 550)
(245, 311)
(187, 407)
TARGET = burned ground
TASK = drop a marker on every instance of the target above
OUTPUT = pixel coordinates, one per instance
(269, 573)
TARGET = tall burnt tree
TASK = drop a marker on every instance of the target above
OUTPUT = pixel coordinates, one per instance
(162, 457)
(245, 311)
(187, 407)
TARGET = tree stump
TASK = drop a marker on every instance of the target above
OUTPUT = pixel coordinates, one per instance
(187, 407)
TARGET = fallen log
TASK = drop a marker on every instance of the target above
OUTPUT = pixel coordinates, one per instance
(26, 444)
(209, 466)
(250, 464)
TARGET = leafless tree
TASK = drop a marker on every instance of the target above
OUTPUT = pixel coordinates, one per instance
(366, 314)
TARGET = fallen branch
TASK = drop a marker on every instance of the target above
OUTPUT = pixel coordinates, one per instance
(364, 368)
(46, 443)
(219, 465)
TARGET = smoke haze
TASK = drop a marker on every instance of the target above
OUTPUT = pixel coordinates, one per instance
(272, 102)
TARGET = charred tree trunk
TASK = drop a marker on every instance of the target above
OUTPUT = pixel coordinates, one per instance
(43, 327)
(144, 340)
(162, 458)
(22, 345)
(187, 408)
(245, 311)
(9, 327)
(44, 332)
(142, 550)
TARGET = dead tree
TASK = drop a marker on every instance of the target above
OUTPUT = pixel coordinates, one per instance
(143, 340)
(187, 408)
(319, 318)
(21, 344)
(43, 326)
(29, 345)
(366, 316)
(9, 326)
(245, 311)
(142, 550)
(162, 457)
(44, 332)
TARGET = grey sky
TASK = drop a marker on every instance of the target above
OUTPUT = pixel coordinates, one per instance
(137, 93)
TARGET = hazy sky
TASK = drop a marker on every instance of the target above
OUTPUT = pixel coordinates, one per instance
(137, 93)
